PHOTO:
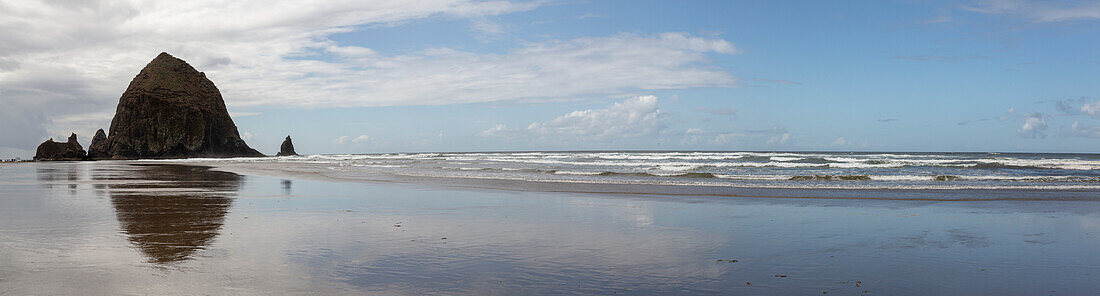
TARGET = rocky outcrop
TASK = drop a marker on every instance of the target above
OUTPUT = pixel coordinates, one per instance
(287, 148)
(51, 150)
(171, 110)
(98, 147)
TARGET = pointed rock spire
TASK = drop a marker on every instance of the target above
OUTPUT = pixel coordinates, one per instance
(98, 148)
(287, 148)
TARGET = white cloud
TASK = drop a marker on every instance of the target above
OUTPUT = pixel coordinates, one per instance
(341, 140)
(840, 142)
(496, 130)
(692, 136)
(76, 58)
(552, 69)
(487, 27)
(780, 139)
(727, 138)
(1034, 125)
(246, 136)
(347, 139)
(1085, 131)
(1041, 11)
(243, 114)
(1092, 108)
(634, 117)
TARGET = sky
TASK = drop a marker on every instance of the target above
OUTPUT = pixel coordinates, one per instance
(459, 75)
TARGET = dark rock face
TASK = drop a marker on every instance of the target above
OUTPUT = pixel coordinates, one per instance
(287, 148)
(171, 110)
(98, 148)
(50, 150)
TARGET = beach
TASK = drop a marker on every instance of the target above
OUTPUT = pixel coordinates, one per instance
(126, 227)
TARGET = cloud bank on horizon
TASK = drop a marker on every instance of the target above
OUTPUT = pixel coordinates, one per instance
(602, 67)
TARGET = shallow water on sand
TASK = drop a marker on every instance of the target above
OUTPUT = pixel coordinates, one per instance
(140, 228)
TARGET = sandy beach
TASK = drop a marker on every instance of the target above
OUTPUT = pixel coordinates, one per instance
(117, 227)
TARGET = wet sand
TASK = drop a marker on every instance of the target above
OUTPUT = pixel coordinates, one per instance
(147, 228)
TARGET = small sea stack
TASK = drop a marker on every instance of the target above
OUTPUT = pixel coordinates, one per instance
(98, 148)
(287, 148)
(171, 110)
(70, 150)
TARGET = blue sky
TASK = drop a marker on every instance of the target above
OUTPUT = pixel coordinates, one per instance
(577, 75)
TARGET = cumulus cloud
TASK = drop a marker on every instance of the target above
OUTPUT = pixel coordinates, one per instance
(76, 58)
(779, 139)
(727, 138)
(348, 139)
(341, 140)
(633, 117)
(1091, 108)
(840, 142)
(1034, 125)
(247, 136)
(695, 131)
(1040, 11)
(692, 136)
(1069, 106)
(1085, 131)
(496, 130)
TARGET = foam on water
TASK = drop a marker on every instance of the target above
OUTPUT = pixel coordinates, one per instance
(845, 170)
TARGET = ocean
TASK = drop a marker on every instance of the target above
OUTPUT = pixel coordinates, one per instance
(946, 176)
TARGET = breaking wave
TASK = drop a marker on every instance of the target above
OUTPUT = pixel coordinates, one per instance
(851, 170)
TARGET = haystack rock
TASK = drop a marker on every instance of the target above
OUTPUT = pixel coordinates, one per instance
(287, 148)
(98, 147)
(51, 150)
(171, 110)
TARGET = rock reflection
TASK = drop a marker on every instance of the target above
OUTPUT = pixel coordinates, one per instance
(60, 174)
(177, 214)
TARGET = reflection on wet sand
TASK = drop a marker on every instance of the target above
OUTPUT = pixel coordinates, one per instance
(286, 187)
(171, 219)
(206, 232)
(48, 176)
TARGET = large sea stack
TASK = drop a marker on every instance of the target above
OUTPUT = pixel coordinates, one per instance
(51, 150)
(287, 148)
(171, 110)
